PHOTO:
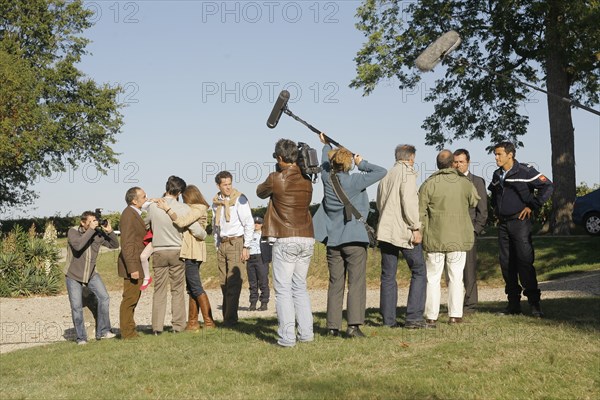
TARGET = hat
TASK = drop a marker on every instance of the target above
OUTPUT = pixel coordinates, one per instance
(258, 220)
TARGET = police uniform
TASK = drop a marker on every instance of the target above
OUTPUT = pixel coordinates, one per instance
(522, 186)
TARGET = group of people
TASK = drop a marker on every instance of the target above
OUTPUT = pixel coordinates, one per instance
(178, 248)
(434, 227)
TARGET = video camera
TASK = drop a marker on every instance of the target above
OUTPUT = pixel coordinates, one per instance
(308, 161)
(101, 221)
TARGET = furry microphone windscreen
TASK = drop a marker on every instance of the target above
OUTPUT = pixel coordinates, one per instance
(278, 108)
(437, 50)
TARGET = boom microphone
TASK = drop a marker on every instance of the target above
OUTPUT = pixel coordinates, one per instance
(280, 105)
(445, 44)
(436, 51)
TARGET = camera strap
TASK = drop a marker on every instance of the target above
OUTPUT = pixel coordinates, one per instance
(349, 208)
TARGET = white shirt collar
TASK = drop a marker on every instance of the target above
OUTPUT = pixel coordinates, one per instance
(136, 210)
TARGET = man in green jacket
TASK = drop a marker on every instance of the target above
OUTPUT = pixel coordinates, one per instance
(444, 202)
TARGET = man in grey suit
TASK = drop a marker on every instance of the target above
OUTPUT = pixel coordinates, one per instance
(479, 214)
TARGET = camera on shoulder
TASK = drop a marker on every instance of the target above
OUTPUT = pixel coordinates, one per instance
(308, 162)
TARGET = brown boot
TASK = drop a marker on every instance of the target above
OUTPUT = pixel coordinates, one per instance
(193, 324)
(206, 311)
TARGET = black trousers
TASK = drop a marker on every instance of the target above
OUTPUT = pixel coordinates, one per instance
(470, 279)
(516, 260)
(258, 278)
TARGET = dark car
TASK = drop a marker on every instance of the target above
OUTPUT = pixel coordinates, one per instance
(586, 212)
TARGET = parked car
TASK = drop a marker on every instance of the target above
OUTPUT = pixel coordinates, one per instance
(586, 212)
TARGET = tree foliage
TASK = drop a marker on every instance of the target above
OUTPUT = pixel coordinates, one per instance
(51, 115)
(551, 42)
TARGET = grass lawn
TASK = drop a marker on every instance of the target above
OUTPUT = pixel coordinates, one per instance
(492, 357)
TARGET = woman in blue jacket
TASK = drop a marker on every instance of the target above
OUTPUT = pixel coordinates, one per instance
(345, 236)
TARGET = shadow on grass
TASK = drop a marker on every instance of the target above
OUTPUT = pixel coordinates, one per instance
(580, 312)
(264, 329)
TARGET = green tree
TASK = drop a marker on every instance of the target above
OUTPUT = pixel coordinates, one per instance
(51, 115)
(556, 42)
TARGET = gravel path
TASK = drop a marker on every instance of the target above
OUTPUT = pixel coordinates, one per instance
(28, 322)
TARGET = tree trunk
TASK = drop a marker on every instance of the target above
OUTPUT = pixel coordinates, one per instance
(561, 125)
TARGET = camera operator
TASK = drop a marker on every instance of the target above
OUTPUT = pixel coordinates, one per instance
(289, 222)
(84, 243)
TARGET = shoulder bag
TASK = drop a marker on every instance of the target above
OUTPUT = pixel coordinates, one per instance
(349, 209)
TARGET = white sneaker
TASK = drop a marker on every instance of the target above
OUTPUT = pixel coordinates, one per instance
(108, 335)
(81, 342)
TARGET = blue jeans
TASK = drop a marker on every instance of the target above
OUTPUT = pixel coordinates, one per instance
(192, 278)
(75, 290)
(417, 291)
(291, 259)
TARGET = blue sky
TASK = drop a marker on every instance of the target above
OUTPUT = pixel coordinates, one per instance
(200, 80)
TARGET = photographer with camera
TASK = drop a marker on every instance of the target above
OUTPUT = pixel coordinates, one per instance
(343, 230)
(84, 244)
(289, 223)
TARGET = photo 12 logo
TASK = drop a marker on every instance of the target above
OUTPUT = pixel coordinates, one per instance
(253, 92)
(125, 172)
(249, 172)
(252, 12)
(127, 92)
(117, 12)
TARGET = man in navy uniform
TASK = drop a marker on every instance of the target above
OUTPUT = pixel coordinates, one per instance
(517, 190)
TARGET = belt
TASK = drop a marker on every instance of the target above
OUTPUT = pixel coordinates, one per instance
(230, 238)
(255, 255)
(503, 218)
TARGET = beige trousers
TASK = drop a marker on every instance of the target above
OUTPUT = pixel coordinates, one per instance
(232, 274)
(168, 271)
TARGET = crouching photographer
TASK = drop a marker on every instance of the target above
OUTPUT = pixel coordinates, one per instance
(84, 244)
(288, 223)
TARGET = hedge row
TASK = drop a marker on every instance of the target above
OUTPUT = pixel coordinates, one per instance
(63, 224)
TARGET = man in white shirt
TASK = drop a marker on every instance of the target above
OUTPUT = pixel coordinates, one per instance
(233, 227)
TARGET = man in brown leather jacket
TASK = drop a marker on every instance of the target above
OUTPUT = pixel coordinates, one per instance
(288, 222)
